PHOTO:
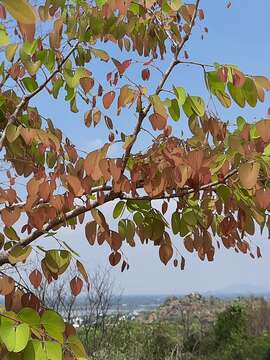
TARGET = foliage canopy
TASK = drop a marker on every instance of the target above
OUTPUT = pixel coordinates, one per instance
(218, 178)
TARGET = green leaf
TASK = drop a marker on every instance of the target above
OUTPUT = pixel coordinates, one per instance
(7, 332)
(100, 3)
(101, 54)
(250, 92)
(31, 66)
(73, 78)
(53, 324)
(11, 233)
(241, 122)
(181, 95)
(183, 229)
(4, 38)
(122, 229)
(175, 4)
(223, 192)
(214, 84)
(138, 218)
(34, 351)
(53, 350)
(130, 232)
(136, 205)
(237, 95)
(12, 132)
(175, 222)
(118, 209)
(21, 10)
(224, 99)
(254, 133)
(77, 347)
(11, 51)
(30, 84)
(22, 334)
(267, 150)
(29, 316)
(57, 260)
(197, 105)
(29, 48)
(189, 217)
(174, 110)
(19, 253)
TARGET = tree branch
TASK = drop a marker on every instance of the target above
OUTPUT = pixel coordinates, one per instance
(108, 198)
(13, 118)
(144, 113)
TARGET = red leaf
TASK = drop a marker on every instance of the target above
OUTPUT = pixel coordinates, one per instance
(114, 258)
(3, 13)
(35, 278)
(121, 67)
(145, 74)
(7, 285)
(76, 285)
(157, 121)
(108, 99)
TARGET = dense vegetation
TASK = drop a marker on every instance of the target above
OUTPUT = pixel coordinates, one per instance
(241, 332)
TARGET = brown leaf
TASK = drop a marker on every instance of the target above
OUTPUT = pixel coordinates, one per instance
(165, 253)
(82, 271)
(263, 198)
(188, 243)
(88, 118)
(9, 216)
(108, 99)
(183, 262)
(75, 184)
(87, 84)
(27, 31)
(91, 232)
(96, 116)
(164, 207)
(76, 285)
(35, 278)
(248, 174)
(121, 67)
(259, 255)
(157, 121)
(91, 163)
(145, 74)
(263, 82)
(263, 127)
(124, 264)
(114, 258)
(7, 285)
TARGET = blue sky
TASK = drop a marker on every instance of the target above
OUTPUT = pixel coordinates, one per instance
(239, 35)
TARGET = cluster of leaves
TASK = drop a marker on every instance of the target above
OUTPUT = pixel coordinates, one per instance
(218, 178)
(30, 331)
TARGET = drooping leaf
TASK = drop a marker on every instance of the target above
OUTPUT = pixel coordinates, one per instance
(248, 174)
(21, 10)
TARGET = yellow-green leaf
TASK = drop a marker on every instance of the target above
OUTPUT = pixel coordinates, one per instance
(21, 10)
(4, 38)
